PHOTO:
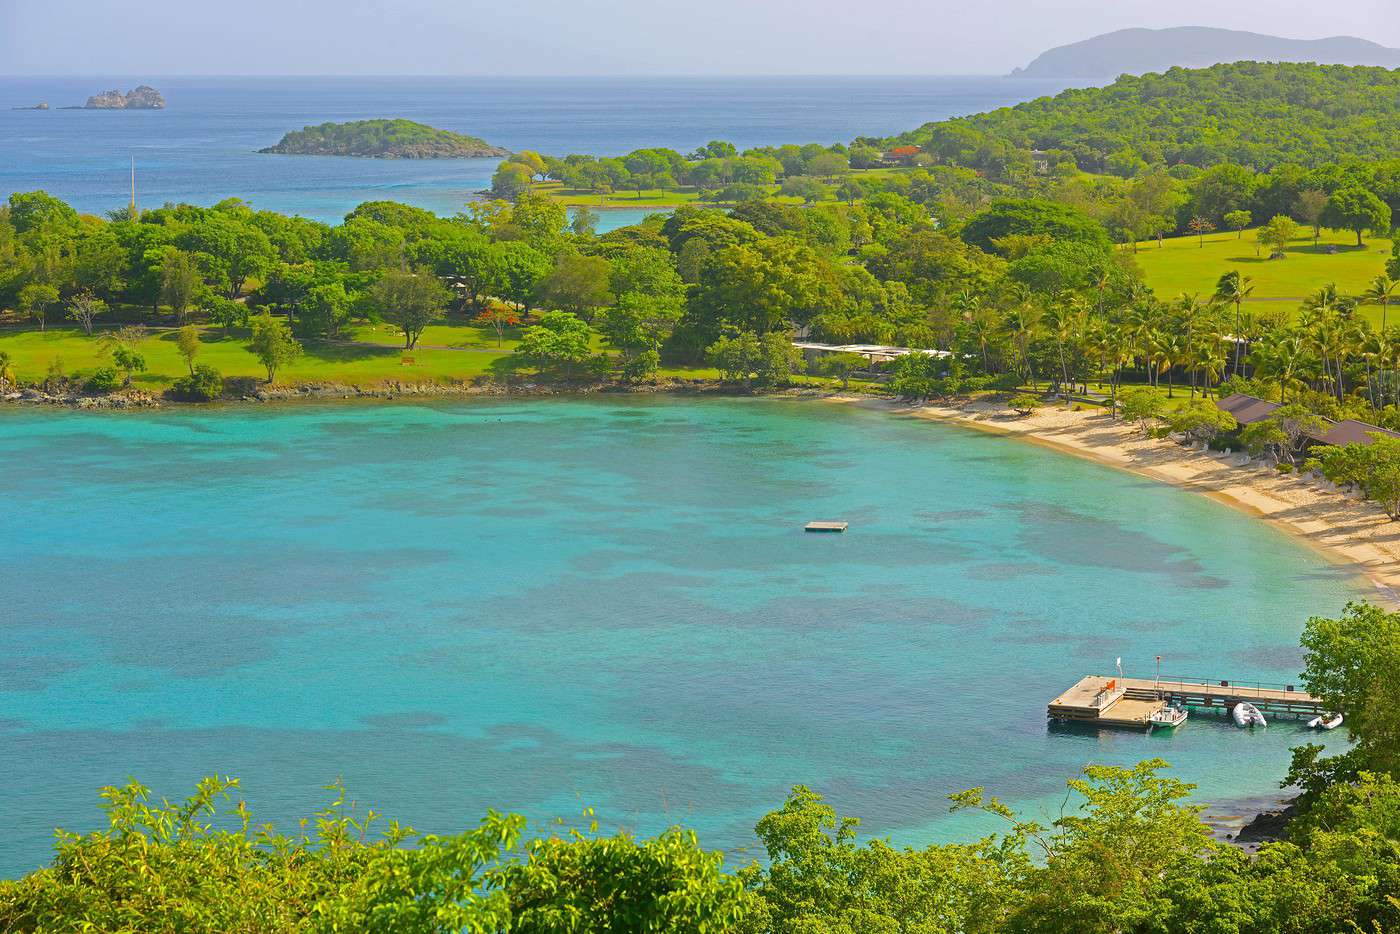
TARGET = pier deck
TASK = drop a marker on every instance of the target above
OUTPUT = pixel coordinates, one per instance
(1109, 701)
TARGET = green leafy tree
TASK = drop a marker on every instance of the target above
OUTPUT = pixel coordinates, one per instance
(577, 284)
(1143, 405)
(187, 342)
(273, 344)
(36, 299)
(737, 357)
(180, 280)
(1238, 221)
(1356, 209)
(841, 366)
(1372, 468)
(779, 359)
(1029, 217)
(411, 299)
(325, 310)
(1277, 234)
(232, 248)
(1201, 422)
(558, 345)
(224, 312)
(1352, 663)
(510, 181)
(129, 361)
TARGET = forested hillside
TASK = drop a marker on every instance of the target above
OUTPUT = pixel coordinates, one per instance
(1250, 113)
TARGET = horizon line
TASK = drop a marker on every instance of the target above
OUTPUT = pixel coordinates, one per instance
(620, 75)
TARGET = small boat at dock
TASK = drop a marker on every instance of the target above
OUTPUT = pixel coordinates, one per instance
(1328, 721)
(1168, 718)
(1246, 714)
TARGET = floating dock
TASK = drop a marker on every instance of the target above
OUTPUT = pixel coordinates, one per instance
(1131, 702)
(826, 526)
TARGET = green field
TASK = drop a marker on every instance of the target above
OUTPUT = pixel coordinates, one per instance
(369, 356)
(372, 356)
(1183, 265)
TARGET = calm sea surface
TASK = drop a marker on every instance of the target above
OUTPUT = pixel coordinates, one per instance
(202, 148)
(543, 605)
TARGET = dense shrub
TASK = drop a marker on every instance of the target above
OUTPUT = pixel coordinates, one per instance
(103, 379)
(205, 384)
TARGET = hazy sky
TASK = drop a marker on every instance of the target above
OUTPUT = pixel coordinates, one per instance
(539, 37)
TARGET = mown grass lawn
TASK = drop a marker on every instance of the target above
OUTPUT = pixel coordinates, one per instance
(353, 362)
(369, 355)
(1182, 265)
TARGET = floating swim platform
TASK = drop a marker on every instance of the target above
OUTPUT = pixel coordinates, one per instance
(826, 526)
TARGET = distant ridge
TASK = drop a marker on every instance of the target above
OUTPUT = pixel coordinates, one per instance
(1140, 51)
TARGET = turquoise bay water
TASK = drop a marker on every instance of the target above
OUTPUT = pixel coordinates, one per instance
(542, 605)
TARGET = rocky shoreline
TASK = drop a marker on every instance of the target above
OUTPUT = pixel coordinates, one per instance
(250, 391)
(1251, 823)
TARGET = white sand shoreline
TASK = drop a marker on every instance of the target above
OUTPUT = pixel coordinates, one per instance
(1347, 531)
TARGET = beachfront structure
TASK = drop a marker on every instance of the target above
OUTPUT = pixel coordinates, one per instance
(1247, 410)
(875, 353)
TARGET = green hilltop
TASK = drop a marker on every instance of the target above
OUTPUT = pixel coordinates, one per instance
(383, 139)
(1249, 113)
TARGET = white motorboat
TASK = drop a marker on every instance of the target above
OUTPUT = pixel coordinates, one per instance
(1328, 721)
(1246, 714)
(1167, 718)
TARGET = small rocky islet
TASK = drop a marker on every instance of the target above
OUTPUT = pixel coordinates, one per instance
(143, 97)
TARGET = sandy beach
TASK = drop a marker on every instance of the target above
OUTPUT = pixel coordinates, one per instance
(1348, 530)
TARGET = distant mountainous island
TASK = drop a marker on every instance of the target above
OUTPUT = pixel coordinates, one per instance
(1140, 51)
(383, 139)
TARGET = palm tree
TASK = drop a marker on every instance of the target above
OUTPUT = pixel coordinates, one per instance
(1168, 351)
(1140, 325)
(1379, 292)
(1021, 321)
(7, 370)
(1281, 360)
(1235, 288)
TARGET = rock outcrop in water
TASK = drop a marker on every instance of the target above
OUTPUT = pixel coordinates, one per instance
(144, 97)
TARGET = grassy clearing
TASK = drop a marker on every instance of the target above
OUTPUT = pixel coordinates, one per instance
(370, 355)
(1183, 265)
(361, 361)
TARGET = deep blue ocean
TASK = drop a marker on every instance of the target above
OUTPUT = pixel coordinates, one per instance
(546, 605)
(202, 148)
